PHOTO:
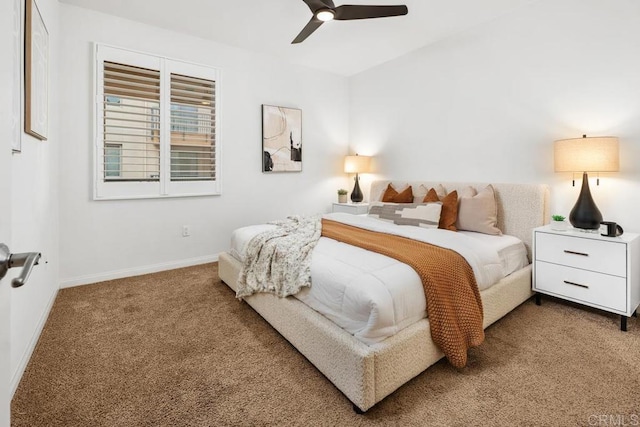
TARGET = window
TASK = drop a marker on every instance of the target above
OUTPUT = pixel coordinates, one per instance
(192, 129)
(184, 118)
(112, 161)
(112, 100)
(156, 133)
(126, 124)
(190, 163)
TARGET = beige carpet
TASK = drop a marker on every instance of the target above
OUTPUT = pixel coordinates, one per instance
(177, 349)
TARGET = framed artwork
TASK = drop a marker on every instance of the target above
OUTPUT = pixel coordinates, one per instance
(16, 86)
(281, 139)
(36, 73)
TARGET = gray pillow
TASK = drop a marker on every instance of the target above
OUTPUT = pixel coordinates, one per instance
(426, 215)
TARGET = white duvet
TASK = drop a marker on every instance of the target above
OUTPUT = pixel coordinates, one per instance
(373, 296)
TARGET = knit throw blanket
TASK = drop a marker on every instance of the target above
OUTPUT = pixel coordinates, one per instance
(279, 260)
(454, 306)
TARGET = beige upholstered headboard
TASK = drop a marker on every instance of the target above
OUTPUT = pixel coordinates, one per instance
(521, 207)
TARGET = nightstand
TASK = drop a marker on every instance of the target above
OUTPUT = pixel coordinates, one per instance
(587, 268)
(352, 208)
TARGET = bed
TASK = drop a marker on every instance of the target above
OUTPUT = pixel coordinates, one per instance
(368, 370)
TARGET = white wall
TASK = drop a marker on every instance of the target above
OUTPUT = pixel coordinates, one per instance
(105, 239)
(486, 105)
(34, 217)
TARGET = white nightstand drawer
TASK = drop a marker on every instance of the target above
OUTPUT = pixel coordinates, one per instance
(352, 208)
(589, 254)
(596, 289)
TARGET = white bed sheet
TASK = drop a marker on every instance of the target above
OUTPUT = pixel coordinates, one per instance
(373, 296)
(510, 249)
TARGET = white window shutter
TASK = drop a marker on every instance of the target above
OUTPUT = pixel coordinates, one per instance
(192, 129)
(131, 106)
(156, 134)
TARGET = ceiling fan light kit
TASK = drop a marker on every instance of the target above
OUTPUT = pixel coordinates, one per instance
(325, 15)
(326, 10)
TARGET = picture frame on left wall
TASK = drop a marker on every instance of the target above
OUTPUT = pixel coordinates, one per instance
(36, 73)
(281, 139)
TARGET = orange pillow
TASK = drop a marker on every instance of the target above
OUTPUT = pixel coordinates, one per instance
(449, 213)
(391, 195)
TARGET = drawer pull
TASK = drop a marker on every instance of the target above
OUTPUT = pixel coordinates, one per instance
(576, 284)
(575, 253)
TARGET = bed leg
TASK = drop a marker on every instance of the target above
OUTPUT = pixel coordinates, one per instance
(538, 298)
(357, 410)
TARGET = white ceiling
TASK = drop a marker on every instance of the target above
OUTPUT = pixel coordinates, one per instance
(341, 47)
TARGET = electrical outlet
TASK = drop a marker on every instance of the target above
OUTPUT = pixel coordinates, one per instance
(186, 231)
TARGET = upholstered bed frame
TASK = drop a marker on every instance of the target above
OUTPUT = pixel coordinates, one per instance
(366, 374)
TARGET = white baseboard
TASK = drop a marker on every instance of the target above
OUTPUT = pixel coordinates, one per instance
(136, 271)
(26, 356)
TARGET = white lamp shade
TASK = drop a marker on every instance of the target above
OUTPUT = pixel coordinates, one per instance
(597, 154)
(357, 164)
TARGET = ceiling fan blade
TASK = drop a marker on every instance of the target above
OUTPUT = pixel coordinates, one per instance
(314, 5)
(347, 12)
(313, 25)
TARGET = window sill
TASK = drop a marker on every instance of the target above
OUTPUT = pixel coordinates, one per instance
(154, 196)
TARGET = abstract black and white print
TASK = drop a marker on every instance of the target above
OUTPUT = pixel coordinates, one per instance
(281, 139)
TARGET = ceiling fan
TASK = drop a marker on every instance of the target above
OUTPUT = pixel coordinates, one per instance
(325, 10)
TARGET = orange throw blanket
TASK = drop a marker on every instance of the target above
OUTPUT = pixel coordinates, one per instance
(454, 306)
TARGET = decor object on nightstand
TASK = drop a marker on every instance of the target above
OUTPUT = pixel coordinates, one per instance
(611, 229)
(601, 272)
(593, 154)
(342, 195)
(558, 223)
(356, 164)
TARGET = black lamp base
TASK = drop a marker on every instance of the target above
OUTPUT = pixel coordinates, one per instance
(356, 194)
(585, 214)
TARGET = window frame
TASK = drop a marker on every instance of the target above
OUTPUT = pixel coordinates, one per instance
(164, 187)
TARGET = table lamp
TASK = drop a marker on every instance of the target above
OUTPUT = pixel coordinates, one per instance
(356, 164)
(592, 154)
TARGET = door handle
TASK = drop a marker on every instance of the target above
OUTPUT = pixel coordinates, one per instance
(25, 260)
